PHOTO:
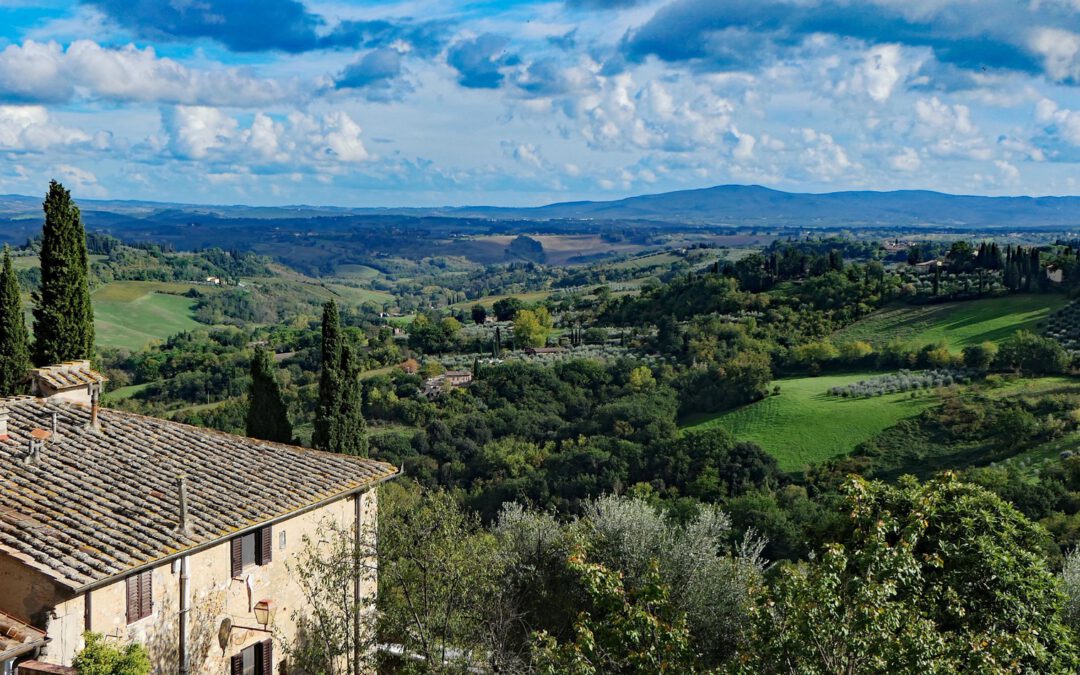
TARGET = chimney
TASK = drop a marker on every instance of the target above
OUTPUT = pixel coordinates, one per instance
(184, 526)
(5, 415)
(55, 428)
(95, 404)
(37, 444)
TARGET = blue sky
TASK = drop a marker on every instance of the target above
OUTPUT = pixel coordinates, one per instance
(433, 102)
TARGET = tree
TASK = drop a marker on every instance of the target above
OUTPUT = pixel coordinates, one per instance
(63, 315)
(620, 632)
(1027, 352)
(980, 356)
(14, 341)
(507, 308)
(335, 629)
(479, 314)
(325, 435)
(99, 657)
(267, 416)
(641, 379)
(437, 576)
(936, 577)
(531, 327)
(352, 428)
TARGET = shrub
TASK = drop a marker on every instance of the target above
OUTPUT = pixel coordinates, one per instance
(99, 657)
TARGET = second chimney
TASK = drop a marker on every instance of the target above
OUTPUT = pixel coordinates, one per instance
(184, 526)
(5, 416)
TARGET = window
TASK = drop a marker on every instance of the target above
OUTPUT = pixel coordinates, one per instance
(258, 659)
(252, 548)
(140, 596)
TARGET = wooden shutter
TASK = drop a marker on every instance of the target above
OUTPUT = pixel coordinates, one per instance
(237, 556)
(146, 594)
(132, 587)
(265, 656)
(236, 665)
(265, 542)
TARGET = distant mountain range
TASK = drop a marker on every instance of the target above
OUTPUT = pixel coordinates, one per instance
(721, 205)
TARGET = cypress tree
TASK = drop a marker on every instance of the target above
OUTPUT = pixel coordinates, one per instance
(267, 417)
(325, 435)
(63, 315)
(339, 420)
(351, 427)
(14, 341)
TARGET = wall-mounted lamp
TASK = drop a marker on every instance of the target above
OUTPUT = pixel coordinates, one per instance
(262, 613)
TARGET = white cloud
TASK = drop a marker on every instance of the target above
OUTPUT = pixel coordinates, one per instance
(196, 130)
(46, 72)
(879, 72)
(744, 145)
(81, 180)
(822, 156)
(948, 130)
(906, 160)
(199, 132)
(1009, 173)
(1065, 123)
(29, 128)
(1060, 51)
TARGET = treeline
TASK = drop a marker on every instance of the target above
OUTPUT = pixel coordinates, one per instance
(554, 435)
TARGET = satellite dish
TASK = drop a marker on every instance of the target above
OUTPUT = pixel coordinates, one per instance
(223, 634)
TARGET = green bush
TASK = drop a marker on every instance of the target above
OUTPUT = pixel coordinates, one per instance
(100, 657)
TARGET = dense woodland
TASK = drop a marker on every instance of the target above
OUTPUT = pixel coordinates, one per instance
(563, 513)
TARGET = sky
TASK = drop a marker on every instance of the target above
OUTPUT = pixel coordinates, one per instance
(518, 102)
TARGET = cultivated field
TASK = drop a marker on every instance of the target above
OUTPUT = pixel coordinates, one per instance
(958, 324)
(804, 425)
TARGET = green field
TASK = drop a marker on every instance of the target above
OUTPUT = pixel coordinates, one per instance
(956, 323)
(803, 425)
(121, 393)
(357, 272)
(131, 314)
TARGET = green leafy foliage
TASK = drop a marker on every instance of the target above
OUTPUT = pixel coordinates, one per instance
(621, 633)
(100, 657)
(935, 577)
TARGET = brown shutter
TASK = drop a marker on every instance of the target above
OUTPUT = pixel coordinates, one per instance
(266, 545)
(146, 594)
(267, 656)
(132, 587)
(236, 665)
(237, 557)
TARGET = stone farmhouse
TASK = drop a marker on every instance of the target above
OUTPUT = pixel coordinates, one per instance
(149, 530)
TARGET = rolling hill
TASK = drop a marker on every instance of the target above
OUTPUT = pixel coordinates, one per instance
(723, 204)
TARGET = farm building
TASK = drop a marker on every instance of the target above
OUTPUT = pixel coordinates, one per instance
(153, 531)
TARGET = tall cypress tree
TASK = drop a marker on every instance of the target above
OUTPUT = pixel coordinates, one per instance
(14, 341)
(63, 315)
(339, 420)
(325, 434)
(267, 416)
(352, 428)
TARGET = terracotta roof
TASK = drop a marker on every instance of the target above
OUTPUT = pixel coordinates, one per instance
(17, 637)
(69, 375)
(96, 504)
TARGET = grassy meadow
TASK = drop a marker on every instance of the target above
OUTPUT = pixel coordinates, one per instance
(958, 324)
(804, 425)
(131, 314)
